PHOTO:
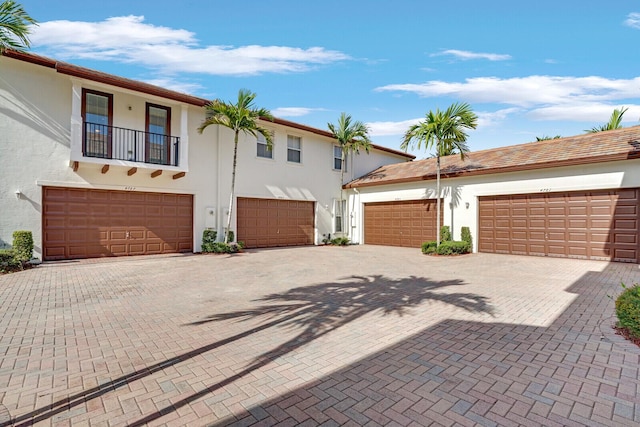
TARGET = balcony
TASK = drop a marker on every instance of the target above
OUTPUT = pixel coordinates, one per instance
(110, 142)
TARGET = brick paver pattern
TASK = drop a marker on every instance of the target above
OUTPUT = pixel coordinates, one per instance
(361, 335)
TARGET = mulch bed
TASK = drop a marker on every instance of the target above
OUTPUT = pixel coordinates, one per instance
(624, 332)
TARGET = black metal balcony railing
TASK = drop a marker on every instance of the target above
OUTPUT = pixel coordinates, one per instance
(110, 142)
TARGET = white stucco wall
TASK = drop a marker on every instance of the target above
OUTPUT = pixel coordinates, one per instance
(457, 192)
(35, 148)
(40, 137)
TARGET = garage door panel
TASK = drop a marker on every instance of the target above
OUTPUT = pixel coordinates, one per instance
(626, 210)
(400, 223)
(625, 238)
(266, 223)
(601, 224)
(111, 223)
(625, 224)
(600, 210)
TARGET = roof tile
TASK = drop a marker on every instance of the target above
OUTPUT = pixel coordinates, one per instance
(621, 144)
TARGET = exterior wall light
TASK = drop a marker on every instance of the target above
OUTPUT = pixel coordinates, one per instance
(18, 194)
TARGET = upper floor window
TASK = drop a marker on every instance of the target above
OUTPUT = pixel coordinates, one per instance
(337, 158)
(262, 149)
(158, 141)
(294, 149)
(97, 113)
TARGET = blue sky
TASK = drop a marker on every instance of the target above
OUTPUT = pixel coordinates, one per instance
(528, 69)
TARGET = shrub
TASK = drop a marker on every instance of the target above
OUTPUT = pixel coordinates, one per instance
(340, 241)
(453, 248)
(465, 236)
(8, 261)
(224, 248)
(231, 235)
(22, 246)
(429, 247)
(628, 310)
(445, 233)
(209, 236)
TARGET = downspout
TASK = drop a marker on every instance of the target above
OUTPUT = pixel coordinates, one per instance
(219, 209)
(353, 208)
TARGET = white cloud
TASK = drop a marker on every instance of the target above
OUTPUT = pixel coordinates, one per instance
(633, 20)
(129, 39)
(178, 86)
(390, 128)
(527, 92)
(591, 112)
(466, 55)
(485, 119)
(294, 111)
(493, 118)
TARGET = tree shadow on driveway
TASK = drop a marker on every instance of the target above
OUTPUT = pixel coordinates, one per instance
(314, 310)
(320, 309)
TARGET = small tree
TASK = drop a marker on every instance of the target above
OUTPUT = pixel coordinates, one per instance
(352, 136)
(243, 117)
(445, 130)
(14, 26)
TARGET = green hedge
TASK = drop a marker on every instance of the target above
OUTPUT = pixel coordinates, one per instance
(465, 236)
(453, 247)
(209, 237)
(223, 248)
(628, 310)
(429, 247)
(8, 261)
(445, 233)
(23, 246)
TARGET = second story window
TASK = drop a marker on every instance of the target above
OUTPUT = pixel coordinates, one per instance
(158, 141)
(262, 149)
(97, 113)
(294, 149)
(337, 158)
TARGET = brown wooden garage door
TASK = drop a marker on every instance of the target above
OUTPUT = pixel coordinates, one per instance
(587, 224)
(88, 223)
(268, 223)
(406, 223)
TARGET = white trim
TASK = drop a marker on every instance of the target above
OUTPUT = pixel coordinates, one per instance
(85, 185)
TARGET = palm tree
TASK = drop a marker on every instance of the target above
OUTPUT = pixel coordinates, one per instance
(615, 121)
(352, 136)
(14, 26)
(446, 131)
(242, 116)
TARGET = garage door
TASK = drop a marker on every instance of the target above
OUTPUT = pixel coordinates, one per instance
(590, 224)
(400, 223)
(268, 223)
(88, 223)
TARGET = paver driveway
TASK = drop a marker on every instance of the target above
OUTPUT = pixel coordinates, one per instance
(361, 335)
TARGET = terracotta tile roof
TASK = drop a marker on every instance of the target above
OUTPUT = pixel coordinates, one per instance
(98, 76)
(598, 147)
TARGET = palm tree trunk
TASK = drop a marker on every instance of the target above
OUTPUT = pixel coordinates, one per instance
(438, 199)
(233, 186)
(342, 213)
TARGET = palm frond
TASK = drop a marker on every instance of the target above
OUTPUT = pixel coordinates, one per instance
(444, 130)
(15, 25)
(615, 121)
